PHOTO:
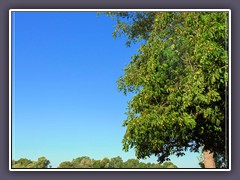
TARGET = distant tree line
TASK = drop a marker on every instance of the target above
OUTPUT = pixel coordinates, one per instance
(87, 162)
(42, 162)
(115, 162)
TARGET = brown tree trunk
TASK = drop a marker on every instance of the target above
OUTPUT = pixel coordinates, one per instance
(208, 160)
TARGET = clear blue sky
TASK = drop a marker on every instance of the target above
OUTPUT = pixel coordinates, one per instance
(65, 98)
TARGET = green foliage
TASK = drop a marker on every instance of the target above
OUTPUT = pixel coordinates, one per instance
(115, 162)
(105, 163)
(97, 164)
(135, 25)
(87, 162)
(131, 163)
(41, 163)
(21, 163)
(82, 162)
(66, 165)
(168, 165)
(180, 80)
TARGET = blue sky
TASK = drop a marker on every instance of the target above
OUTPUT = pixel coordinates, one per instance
(65, 98)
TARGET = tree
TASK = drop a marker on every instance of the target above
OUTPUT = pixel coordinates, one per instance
(41, 163)
(116, 162)
(105, 163)
(82, 162)
(136, 26)
(179, 79)
(131, 163)
(66, 164)
(158, 166)
(21, 163)
(168, 165)
(97, 164)
(219, 159)
(142, 165)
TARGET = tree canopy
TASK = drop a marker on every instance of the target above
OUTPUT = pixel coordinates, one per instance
(179, 78)
(41, 163)
(87, 162)
(115, 162)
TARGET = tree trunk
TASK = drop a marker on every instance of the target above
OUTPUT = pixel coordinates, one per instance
(208, 160)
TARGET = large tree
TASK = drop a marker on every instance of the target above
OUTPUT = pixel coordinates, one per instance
(179, 78)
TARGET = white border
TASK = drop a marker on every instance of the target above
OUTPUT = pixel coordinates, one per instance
(112, 10)
(10, 89)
